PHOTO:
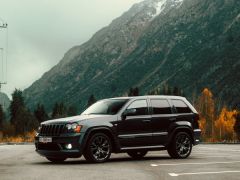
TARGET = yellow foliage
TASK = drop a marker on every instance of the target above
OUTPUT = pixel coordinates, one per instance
(224, 124)
(206, 109)
(202, 125)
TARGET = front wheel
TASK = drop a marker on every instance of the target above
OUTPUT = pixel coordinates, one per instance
(56, 160)
(98, 148)
(181, 146)
(137, 154)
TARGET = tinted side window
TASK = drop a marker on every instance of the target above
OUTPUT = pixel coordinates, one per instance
(140, 106)
(181, 107)
(160, 106)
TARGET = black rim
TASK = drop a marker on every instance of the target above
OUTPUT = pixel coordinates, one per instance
(100, 148)
(183, 145)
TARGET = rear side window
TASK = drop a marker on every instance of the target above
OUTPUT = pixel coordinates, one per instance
(181, 106)
(160, 106)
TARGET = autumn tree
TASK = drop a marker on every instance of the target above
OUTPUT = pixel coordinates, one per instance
(224, 125)
(206, 109)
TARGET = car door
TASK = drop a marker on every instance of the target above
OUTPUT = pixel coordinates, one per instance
(135, 129)
(161, 119)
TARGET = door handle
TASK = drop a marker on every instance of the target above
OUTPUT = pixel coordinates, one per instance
(146, 120)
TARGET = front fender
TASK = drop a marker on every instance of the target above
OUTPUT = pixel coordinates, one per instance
(103, 129)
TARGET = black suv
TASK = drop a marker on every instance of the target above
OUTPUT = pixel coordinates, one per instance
(134, 125)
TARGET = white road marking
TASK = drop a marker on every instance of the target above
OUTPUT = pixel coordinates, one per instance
(201, 173)
(212, 155)
(178, 164)
(217, 149)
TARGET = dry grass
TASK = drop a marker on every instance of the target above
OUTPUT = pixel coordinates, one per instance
(28, 137)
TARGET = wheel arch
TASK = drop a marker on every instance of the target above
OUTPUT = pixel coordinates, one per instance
(183, 128)
(105, 130)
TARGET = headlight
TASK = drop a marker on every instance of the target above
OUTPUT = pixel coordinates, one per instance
(74, 127)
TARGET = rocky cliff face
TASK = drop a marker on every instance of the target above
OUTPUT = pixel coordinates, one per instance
(191, 44)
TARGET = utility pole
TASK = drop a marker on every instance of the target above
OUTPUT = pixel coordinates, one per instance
(4, 25)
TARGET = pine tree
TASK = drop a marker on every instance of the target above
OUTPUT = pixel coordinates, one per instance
(169, 91)
(237, 126)
(16, 104)
(40, 113)
(2, 117)
(176, 91)
(165, 89)
(59, 111)
(136, 91)
(25, 121)
(21, 117)
(72, 111)
(91, 100)
(55, 110)
(133, 91)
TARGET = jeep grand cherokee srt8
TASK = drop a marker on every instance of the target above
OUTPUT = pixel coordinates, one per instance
(132, 125)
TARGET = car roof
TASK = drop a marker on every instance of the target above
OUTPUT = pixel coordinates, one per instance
(150, 96)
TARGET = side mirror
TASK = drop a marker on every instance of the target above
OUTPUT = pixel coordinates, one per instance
(128, 112)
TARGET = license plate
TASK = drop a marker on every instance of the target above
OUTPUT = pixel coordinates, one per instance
(45, 139)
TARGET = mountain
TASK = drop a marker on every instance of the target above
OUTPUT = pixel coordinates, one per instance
(191, 44)
(4, 101)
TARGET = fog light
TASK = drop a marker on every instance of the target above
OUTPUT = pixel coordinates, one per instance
(68, 146)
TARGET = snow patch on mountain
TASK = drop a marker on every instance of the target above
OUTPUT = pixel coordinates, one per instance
(177, 3)
(159, 7)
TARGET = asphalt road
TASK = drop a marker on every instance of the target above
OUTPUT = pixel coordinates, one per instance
(221, 162)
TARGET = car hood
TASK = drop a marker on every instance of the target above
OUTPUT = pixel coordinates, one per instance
(75, 119)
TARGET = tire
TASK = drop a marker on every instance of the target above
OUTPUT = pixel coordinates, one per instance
(56, 160)
(137, 154)
(181, 146)
(98, 148)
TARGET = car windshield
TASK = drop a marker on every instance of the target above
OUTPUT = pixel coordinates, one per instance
(109, 107)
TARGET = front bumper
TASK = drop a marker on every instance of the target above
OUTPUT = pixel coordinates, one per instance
(197, 136)
(57, 148)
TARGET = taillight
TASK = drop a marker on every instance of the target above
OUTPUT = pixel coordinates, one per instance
(195, 121)
(196, 118)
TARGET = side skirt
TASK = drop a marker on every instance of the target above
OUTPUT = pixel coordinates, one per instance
(149, 148)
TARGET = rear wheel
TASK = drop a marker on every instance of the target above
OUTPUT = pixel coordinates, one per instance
(137, 154)
(56, 160)
(181, 146)
(98, 148)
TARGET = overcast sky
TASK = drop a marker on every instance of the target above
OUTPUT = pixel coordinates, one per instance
(41, 31)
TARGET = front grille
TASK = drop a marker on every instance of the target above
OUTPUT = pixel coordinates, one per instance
(52, 129)
(48, 146)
